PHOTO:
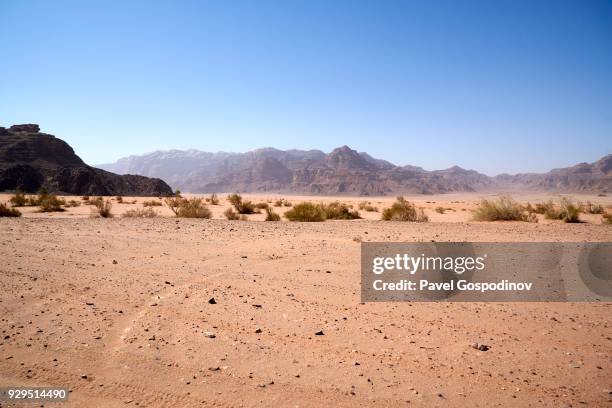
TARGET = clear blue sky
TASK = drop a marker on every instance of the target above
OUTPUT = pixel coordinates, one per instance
(497, 86)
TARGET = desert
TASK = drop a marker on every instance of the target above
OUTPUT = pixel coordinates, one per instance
(170, 311)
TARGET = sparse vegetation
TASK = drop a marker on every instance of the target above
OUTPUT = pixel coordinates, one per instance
(502, 209)
(103, 208)
(6, 211)
(261, 206)
(306, 212)
(338, 211)
(49, 202)
(72, 203)
(606, 218)
(213, 200)
(174, 203)
(271, 215)
(193, 208)
(230, 214)
(566, 211)
(367, 206)
(151, 203)
(85, 198)
(242, 206)
(403, 210)
(146, 212)
(119, 199)
(19, 199)
(590, 208)
(440, 210)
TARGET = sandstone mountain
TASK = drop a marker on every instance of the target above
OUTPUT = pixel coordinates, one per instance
(30, 160)
(342, 171)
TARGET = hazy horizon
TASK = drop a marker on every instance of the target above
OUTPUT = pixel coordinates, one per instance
(503, 87)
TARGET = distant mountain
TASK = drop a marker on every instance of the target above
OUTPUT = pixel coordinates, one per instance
(583, 177)
(30, 160)
(342, 171)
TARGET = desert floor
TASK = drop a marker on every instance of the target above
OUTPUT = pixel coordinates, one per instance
(118, 311)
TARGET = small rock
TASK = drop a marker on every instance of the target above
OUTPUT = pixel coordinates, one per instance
(479, 346)
(319, 333)
(210, 335)
(84, 376)
(258, 331)
(115, 262)
(212, 301)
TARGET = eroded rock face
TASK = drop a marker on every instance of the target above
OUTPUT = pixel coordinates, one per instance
(30, 160)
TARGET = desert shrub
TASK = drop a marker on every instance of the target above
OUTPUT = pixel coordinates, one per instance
(403, 210)
(146, 212)
(338, 211)
(502, 209)
(193, 208)
(19, 199)
(606, 218)
(367, 206)
(230, 214)
(547, 209)
(103, 208)
(174, 203)
(278, 203)
(271, 215)
(566, 211)
(49, 202)
(6, 211)
(119, 199)
(590, 208)
(440, 210)
(72, 203)
(306, 212)
(261, 206)
(97, 201)
(362, 205)
(242, 206)
(151, 203)
(287, 203)
(85, 198)
(213, 200)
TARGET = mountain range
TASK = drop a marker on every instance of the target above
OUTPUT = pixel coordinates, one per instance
(30, 160)
(342, 171)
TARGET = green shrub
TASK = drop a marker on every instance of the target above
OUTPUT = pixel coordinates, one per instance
(306, 212)
(6, 211)
(403, 210)
(271, 215)
(502, 209)
(146, 212)
(193, 208)
(338, 211)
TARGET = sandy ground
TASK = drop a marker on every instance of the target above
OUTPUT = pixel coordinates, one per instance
(118, 311)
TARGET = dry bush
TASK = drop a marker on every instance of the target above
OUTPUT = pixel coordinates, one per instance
(590, 208)
(103, 208)
(440, 210)
(502, 209)
(305, 212)
(271, 215)
(287, 203)
(261, 206)
(119, 199)
(367, 206)
(72, 203)
(566, 211)
(338, 211)
(403, 210)
(6, 211)
(174, 203)
(146, 212)
(230, 214)
(606, 218)
(193, 208)
(49, 202)
(213, 200)
(19, 199)
(243, 207)
(85, 198)
(278, 203)
(151, 203)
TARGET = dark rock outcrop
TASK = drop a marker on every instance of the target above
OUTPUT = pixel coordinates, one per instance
(30, 160)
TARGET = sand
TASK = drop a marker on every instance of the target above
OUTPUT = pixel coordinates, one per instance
(125, 303)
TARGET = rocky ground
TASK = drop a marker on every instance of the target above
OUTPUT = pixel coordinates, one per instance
(121, 311)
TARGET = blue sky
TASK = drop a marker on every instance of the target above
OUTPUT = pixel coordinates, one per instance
(497, 86)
